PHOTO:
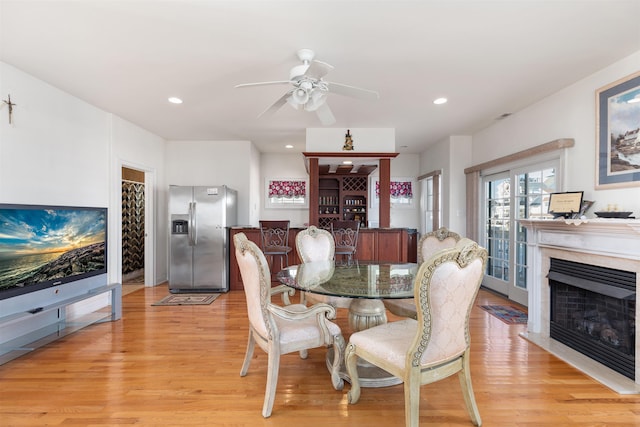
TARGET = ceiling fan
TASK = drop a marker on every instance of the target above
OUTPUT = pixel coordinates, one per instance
(309, 91)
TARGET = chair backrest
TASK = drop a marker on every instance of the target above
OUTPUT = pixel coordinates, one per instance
(345, 233)
(315, 244)
(445, 289)
(256, 279)
(435, 241)
(274, 234)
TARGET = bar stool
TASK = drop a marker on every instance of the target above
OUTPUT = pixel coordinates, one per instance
(345, 234)
(274, 238)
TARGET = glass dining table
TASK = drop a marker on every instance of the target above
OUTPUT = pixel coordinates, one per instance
(364, 285)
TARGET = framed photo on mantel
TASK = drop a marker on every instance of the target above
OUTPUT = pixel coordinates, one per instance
(618, 133)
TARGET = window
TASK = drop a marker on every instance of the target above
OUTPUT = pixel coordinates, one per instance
(401, 192)
(286, 193)
(431, 216)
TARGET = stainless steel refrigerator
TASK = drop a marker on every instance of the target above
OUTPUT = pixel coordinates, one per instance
(200, 218)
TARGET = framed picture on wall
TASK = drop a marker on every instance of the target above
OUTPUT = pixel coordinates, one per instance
(618, 133)
(286, 193)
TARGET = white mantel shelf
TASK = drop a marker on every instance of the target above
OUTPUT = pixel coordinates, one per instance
(612, 243)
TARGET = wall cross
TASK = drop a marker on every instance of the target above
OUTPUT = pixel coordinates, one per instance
(10, 104)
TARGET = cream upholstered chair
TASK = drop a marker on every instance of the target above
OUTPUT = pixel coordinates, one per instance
(281, 330)
(434, 346)
(428, 244)
(316, 244)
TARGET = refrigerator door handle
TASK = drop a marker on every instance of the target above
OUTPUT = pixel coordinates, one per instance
(194, 225)
(190, 226)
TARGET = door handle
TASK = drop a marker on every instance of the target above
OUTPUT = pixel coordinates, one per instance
(194, 225)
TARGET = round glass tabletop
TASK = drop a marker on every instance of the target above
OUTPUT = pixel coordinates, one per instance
(355, 280)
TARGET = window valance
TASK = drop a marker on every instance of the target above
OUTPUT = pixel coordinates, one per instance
(287, 188)
(398, 189)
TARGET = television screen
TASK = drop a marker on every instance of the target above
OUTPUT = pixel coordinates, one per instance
(566, 205)
(44, 246)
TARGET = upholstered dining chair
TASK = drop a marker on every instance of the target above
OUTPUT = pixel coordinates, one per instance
(345, 234)
(281, 330)
(436, 344)
(316, 244)
(428, 244)
(274, 238)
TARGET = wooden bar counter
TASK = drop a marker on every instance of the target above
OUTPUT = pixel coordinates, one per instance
(374, 244)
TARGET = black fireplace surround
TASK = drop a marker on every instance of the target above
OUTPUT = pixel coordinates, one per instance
(593, 312)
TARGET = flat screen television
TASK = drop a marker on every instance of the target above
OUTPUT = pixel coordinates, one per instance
(46, 246)
(565, 205)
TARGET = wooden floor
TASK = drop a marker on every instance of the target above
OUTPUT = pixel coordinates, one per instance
(179, 366)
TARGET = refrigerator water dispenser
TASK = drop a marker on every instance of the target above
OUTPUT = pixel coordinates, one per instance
(179, 226)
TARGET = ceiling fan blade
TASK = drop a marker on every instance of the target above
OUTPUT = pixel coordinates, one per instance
(280, 82)
(352, 91)
(318, 69)
(276, 105)
(325, 115)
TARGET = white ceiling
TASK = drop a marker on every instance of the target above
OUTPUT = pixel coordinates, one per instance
(487, 57)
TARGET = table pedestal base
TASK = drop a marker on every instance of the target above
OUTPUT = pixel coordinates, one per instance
(365, 314)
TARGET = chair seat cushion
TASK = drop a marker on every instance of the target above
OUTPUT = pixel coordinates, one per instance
(392, 340)
(302, 331)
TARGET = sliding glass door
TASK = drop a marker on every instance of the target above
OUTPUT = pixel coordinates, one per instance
(507, 197)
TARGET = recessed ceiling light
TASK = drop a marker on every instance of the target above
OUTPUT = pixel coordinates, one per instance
(175, 100)
(440, 101)
(288, 146)
(347, 162)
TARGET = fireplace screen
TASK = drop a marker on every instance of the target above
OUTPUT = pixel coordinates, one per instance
(593, 312)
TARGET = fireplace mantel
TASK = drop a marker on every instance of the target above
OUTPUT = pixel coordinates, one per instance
(613, 243)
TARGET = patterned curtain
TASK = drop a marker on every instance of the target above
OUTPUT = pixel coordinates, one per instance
(132, 226)
(398, 189)
(287, 189)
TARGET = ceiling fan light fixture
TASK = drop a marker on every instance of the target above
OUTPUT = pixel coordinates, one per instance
(300, 96)
(292, 102)
(316, 99)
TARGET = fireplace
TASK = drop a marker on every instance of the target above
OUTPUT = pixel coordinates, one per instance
(604, 254)
(593, 312)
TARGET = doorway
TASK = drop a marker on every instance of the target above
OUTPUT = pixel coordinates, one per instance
(133, 226)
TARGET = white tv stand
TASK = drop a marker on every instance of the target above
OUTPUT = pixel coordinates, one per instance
(39, 318)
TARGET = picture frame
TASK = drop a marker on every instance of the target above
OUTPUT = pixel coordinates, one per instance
(618, 133)
(286, 193)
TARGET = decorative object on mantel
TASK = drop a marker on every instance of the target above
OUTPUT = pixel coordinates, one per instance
(613, 214)
(348, 142)
(11, 105)
(617, 135)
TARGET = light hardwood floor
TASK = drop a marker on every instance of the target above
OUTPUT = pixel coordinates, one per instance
(179, 366)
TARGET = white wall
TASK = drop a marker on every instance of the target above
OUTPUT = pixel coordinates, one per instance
(213, 163)
(60, 150)
(282, 166)
(403, 166)
(569, 113)
(451, 155)
(139, 149)
(57, 149)
(367, 140)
